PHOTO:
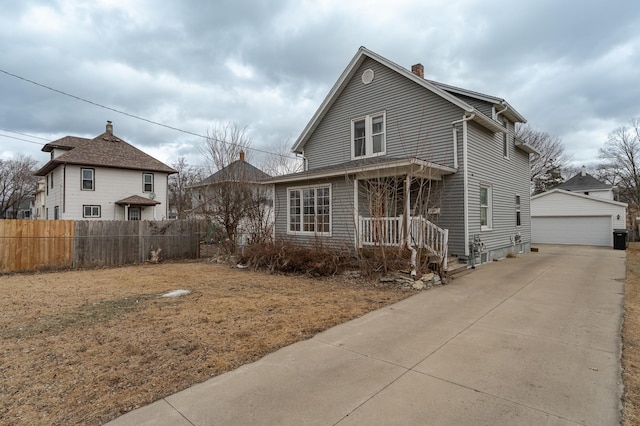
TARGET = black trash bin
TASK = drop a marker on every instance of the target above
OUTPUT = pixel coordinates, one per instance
(620, 239)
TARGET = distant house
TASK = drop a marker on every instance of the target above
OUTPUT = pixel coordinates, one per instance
(580, 211)
(394, 159)
(103, 178)
(234, 198)
(38, 205)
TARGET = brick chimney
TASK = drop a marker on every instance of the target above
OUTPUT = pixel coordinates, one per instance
(109, 128)
(241, 155)
(584, 171)
(418, 70)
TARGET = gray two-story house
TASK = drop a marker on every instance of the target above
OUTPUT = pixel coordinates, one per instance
(393, 159)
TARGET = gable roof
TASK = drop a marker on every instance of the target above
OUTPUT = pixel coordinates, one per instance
(238, 171)
(578, 195)
(580, 183)
(361, 55)
(105, 150)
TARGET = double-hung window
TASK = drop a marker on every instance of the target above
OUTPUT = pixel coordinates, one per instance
(368, 136)
(309, 210)
(506, 138)
(88, 179)
(485, 207)
(90, 211)
(147, 182)
(518, 214)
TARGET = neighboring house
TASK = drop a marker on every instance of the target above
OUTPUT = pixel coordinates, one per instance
(37, 207)
(235, 198)
(20, 211)
(580, 211)
(394, 159)
(103, 178)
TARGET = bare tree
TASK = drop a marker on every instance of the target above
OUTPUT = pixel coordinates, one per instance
(546, 168)
(282, 161)
(17, 182)
(179, 183)
(232, 196)
(621, 152)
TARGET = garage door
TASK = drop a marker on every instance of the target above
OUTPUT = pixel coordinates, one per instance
(592, 230)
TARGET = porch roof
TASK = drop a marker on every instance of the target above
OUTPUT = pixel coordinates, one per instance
(371, 167)
(137, 200)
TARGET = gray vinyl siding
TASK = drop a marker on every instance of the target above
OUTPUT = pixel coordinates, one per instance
(484, 107)
(342, 221)
(508, 177)
(418, 122)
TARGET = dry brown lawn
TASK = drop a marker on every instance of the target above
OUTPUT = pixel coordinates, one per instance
(631, 339)
(83, 347)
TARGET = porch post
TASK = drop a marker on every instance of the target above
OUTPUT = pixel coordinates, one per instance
(407, 206)
(356, 217)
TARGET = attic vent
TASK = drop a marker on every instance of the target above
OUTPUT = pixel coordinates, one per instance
(367, 76)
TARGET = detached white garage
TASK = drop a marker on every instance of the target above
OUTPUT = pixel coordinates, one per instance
(564, 217)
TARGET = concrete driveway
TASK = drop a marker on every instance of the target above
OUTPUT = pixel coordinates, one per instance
(533, 340)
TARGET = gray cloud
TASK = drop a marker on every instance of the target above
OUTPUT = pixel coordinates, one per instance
(569, 67)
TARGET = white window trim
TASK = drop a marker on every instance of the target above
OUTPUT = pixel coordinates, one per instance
(144, 183)
(93, 179)
(91, 207)
(506, 139)
(368, 125)
(302, 232)
(489, 224)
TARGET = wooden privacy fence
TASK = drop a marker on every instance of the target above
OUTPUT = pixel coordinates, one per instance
(58, 244)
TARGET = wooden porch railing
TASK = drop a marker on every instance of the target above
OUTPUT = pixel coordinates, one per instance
(380, 231)
(424, 233)
(388, 231)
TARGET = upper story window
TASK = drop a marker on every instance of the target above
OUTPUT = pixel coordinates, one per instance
(505, 139)
(368, 136)
(147, 182)
(485, 207)
(88, 179)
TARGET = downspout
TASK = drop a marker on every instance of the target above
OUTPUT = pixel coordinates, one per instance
(64, 188)
(501, 111)
(465, 178)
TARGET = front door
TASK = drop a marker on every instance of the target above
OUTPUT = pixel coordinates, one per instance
(134, 213)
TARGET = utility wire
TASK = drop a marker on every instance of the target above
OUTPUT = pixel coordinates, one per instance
(20, 139)
(128, 114)
(24, 134)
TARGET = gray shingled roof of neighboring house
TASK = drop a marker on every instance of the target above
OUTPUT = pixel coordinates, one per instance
(580, 183)
(237, 171)
(105, 150)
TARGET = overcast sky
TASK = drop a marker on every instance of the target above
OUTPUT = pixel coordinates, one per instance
(572, 68)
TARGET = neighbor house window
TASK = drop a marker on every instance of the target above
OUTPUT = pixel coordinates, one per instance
(147, 182)
(518, 215)
(56, 212)
(368, 136)
(88, 179)
(47, 186)
(310, 210)
(485, 207)
(91, 211)
(51, 180)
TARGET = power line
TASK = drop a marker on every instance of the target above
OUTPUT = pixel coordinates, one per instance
(20, 139)
(24, 134)
(128, 114)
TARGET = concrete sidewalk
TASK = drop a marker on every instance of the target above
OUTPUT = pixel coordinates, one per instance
(529, 341)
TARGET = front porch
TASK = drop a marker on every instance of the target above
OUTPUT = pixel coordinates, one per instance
(398, 207)
(413, 232)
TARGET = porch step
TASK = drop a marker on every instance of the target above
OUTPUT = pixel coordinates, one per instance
(456, 268)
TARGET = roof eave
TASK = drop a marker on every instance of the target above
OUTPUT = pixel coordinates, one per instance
(305, 176)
